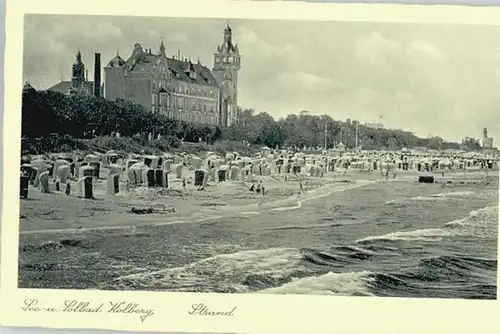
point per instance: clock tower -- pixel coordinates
(226, 66)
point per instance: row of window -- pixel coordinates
(203, 118)
(180, 102)
(226, 59)
(186, 90)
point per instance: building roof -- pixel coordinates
(64, 86)
(27, 87)
(144, 61)
(116, 62)
(228, 46)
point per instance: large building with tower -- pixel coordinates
(173, 86)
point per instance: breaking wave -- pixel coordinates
(452, 195)
(480, 223)
(250, 268)
(349, 284)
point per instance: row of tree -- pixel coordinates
(312, 130)
(45, 113)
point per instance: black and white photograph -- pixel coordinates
(259, 156)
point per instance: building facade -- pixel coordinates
(178, 88)
(375, 125)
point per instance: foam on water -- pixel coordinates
(80, 230)
(480, 223)
(304, 227)
(222, 271)
(439, 197)
(459, 194)
(315, 194)
(286, 208)
(432, 234)
(415, 199)
(349, 284)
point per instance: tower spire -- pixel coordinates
(78, 71)
(228, 35)
(162, 48)
(78, 57)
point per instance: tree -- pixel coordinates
(49, 112)
(471, 144)
(435, 143)
(392, 144)
(45, 113)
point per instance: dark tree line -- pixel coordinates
(309, 130)
(46, 112)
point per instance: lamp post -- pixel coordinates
(326, 132)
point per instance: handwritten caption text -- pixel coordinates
(76, 306)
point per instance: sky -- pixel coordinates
(429, 79)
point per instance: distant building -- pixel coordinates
(176, 87)
(487, 141)
(375, 125)
(79, 84)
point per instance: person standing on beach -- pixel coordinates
(259, 187)
(184, 183)
(301, 188)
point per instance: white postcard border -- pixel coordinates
(254, 313)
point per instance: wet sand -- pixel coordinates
(59, 212)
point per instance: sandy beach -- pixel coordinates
(57, 211)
